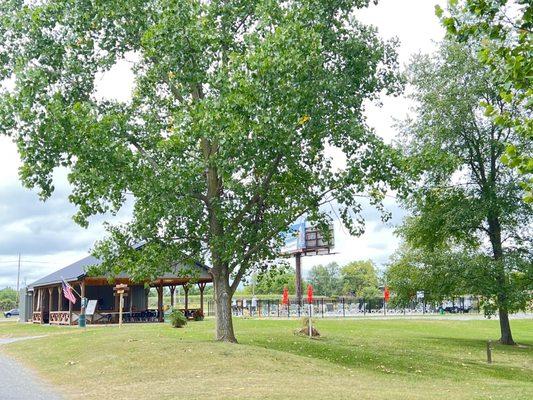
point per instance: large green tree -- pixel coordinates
(463, 198)
(225, 139)
(274, 279)
(503, 30)
(360, 279)
(325, 279)
(8, 299)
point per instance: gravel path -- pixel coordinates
(19, 383)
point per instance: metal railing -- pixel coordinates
(336, 307)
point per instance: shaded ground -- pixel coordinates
(354, 359)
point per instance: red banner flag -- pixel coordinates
(309, 294)
(386, 294)
(285, 298)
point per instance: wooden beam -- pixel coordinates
(49, 302)
(160, 303)
(172, 289)
(186, 290)
(59, 299)
(201, 286)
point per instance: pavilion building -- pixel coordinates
(48, 304)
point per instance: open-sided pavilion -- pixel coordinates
(49, 305)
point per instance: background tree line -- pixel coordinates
(357, 278)
(8, 298)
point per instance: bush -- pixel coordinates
(198, 315)
(177, 319)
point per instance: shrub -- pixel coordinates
(198, 315)
(177, 319)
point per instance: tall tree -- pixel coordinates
(224, 141)
(360, 279)
(325, 279)
(463, 197)
(272, 280)
(504, 30)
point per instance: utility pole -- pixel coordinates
(18, 281)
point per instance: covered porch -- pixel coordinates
(49, 305)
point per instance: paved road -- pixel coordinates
(19, 383)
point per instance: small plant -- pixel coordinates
(304, 330)
(198, 315)
(177, 319)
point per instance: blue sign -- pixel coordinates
(294, 238)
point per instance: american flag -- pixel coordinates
(67, 292)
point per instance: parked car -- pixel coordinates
(14, 311)
(457, 309)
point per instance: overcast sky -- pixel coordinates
(47, 238)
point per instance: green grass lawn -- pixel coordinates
(354, 359)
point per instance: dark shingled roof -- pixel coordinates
(77, 270)
(71, 272)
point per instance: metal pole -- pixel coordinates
(489, 351)
(298, 258)
(310, 323)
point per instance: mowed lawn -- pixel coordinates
(354, 359)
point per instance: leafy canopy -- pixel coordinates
(326, 279)
(504, 29)
(470, 229)
(225, 139)
(359, 278)
(273, 280)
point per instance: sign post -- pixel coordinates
(386, 298)
(120, 289)
(310, 302)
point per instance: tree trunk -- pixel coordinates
(497, 249)
(223, 317)
(505, 328)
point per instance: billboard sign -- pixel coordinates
(294, 238)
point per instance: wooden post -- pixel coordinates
(201, 286)
(172, 289)
(120, 304)
(489, 352)
(160, 303)
(186, 290)
(59, 299)
(49, 302)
